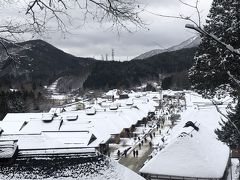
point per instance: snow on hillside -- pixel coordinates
(192, 42)
(150, 53)
(189, 43)
(53, 91)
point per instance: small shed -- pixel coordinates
(123, 96)
(57, 110)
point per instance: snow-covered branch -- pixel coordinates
(233, 78)
(216, 39)
(225, 116)
(44, 15)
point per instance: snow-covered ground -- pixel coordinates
(52, 89)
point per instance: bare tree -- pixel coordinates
(39, 13)
(194, 6)
(43, 15)
(119, 12)
(197, 26)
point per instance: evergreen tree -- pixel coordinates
(150, 87)
(228, 132)
(215, 66)
(212, 62)
(3, 105)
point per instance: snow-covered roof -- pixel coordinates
(15, 122)
(7, 149)
(90, 111)
(69, 168)
(52, 140)
(29, 127)
(19, 125)
(113, 92)
(92, 120)
(36, 126)
(195, 154)
(56, 110)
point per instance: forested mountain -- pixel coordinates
(38, 63)
(126, 74)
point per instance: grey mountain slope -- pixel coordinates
(189, 43)
(40, 62)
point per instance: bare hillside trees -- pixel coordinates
(39, 16)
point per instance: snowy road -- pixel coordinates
(135, 163)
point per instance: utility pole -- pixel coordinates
(106, 57)
(113, 53)
(160, 91)
(102, 57)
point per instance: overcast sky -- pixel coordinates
(94, 40)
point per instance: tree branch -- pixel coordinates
(117, 11)
(183, 17)
(219, 111)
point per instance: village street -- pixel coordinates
(150, 143)
(135, 163)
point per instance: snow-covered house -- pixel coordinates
(57, 110)
(66, 130)
(123, 96)
(112, 94)
(59, 135)
(193, 154)
(98, 125)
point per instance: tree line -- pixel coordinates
(114, 74)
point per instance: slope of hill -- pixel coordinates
(189, 43)
(127, 74)
(39, 62)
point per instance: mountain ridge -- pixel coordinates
(37, 61)
(40, 63)
(189, 43)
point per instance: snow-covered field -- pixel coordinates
(52, 89)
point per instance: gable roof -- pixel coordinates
(196, 154)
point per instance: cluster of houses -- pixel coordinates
(193, 151)
(68, 131)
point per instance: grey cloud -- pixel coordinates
(94, 40)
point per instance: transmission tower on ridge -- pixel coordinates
(113, 53)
